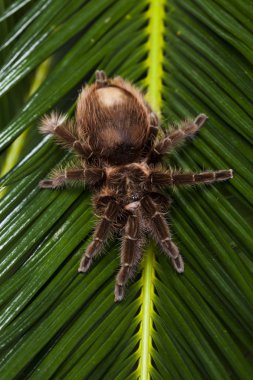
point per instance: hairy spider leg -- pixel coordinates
(160, 231)
(62, 129)
(204, 177)
(169, 178)
(188, 129)
(61, 177)
(178, 264)
(130, 254)
(153, 130)
(102, 232)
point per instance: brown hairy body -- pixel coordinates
(115, 137)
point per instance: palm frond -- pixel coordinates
(190, 57)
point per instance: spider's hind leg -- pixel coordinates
(161, 233)
(63, 130)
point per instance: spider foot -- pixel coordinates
(85, 264)
(200, 120)
(178, 264)
(50, 124)
(119, 293)
(51, 183)
(170, 248)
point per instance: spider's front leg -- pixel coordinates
(169, 142)
(130, 254)
(102, 232)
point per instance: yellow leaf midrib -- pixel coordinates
(155, 44)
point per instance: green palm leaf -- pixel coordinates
(189, 56)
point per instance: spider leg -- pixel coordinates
(160, 231)
(101, 78)
(159, 178)
(170, 141)
(102, 231)
(63, 176)
(178, 264)
(63, 130)
(130, 255)
(154, 124)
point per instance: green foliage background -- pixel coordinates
(189, 56)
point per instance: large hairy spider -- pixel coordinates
(120, 159)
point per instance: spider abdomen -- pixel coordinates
(115, 122)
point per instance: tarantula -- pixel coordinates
(114, 135)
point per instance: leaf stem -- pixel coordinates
(146, 315)
(155, 44)
(156, 14)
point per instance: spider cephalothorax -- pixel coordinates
(120, 159)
